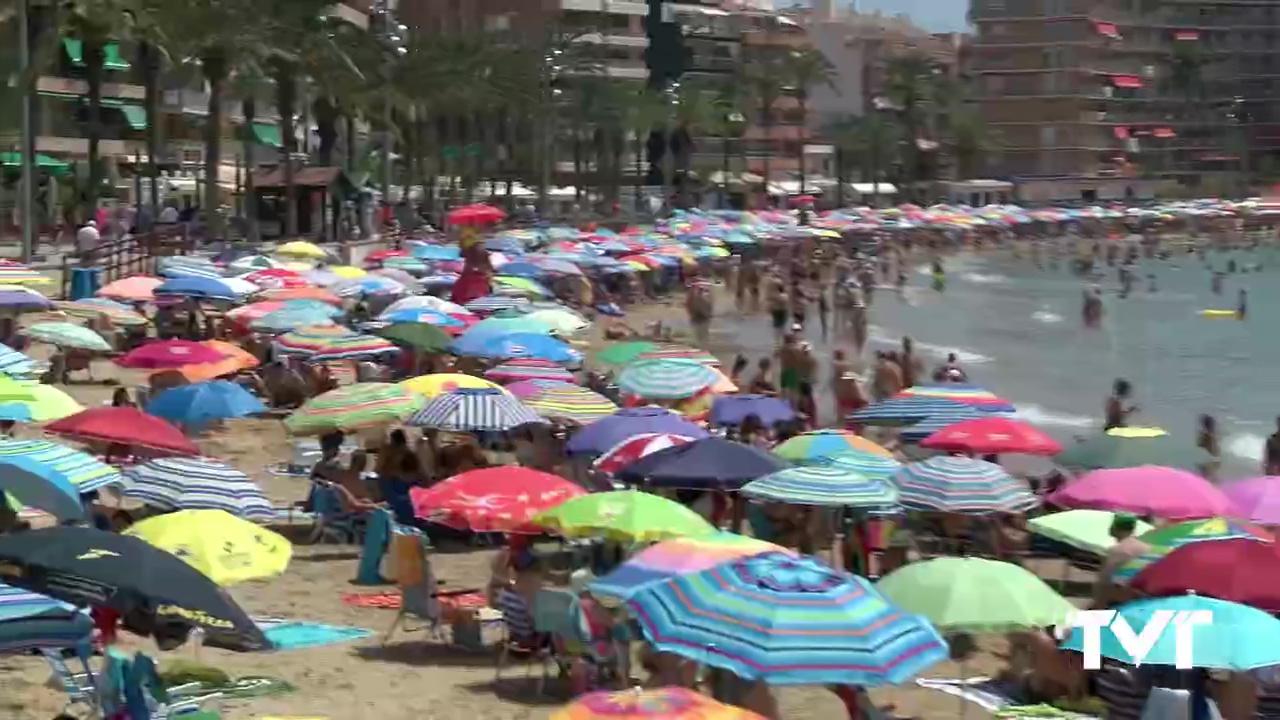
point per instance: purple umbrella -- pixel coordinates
(733, 409)
(16, 297)
(607, 432)
(710, 463)
(1256, 499)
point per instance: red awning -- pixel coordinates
(1122, 133)
(1126, 81)
(1164, 132)
(1108, 29)
(1189, 35)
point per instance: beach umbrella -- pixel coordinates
(1162, 492)
(162, 354)
(432, 385)
(1088, 530)
(419, 336)
(17, 604)
(1131, 447)
(519, 286)
(823, 485)
(290, 319)
(103, 309)
(499, 499)
(678, 352)
(306, 341)
(421, 315)
(677, 556)
(16, 298)
(961, 485)
(302, 249)
(68, 335)
(634, 448)
(625, 516)
(819, 445)
(908, 411)
(369, 285)
(354, 407)
(665, 703)
(992, 436)
(864, 463)
(223, 547)
(1164, 540)
(970, 395)
(567, 403)
(624, 353)
(502, 326)
(13, 273)
(276, 278)
(605, 433)
(197, 483)
(561, 320)
(250, 263)
(13, 393)
(200, 288)
(786, 621)
(975, 595)
(518, 369)
(1239, 570)
(1257, 499)
(235, 360)
(475, 214)
(515, 345)
(198, 404)
(665, 379)
(88, 567)
(56, 631)
(47, 403)
(706, 464)
(425, 251)
(14, 363)
(1240, 638)
(425, 302)
(301, 293)
(353, 347)
(124, 426)
(83, 472)
(474, 410)
(495, 303)
(733, 409)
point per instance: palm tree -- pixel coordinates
(803, 70)
(728, 123)
(966, 141)
(763, 82)
(644, 111)
(909, 86)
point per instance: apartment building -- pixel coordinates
(1099, 95)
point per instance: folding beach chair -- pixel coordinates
(420, 593)
(79, 686)
(333, 522)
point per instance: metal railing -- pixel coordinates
(132, 255)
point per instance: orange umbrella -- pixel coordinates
(236, 360)
(668, 703)
(300, 293)
(138, 288)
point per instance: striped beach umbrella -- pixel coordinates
(517, 370)
(678, 556)
(865, 463)
(17, 603)
(787, 621)
(368, 285)
(353, 407)
(101, 308)
(666, 379)
(569, 403)
(679, 352)
(970, 395)
(82, 470)
(905, 411)
(65, 334)
(14, 363)
(819, 445)
(474, 410)
(829, 485)
(306, 341)
(183, 266)
(936, 423)
(197, 483)
(16, 298)
(961, 485)
(13, 273)
(354, 347)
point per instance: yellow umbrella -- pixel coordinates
(303, 249)
(223, 547)
(433, 385)
(299, 266)
(48, 403)
(347, 272)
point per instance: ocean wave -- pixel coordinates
(1248, 446)
(984, 278)
(878, 336)
(1039, 415)
(1046, 317)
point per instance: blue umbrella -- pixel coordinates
(49, 477)
(605, 433)
(517, 345)
(13, 362)
(193, 270)
(934, 423)
(525, 270)
(962, 485)
(863, 463)
(439, 280)
(437, 252)
(201, 403)
(474, 410)
(830, 485)
(421, 315)
(710, 463)
(198, 484)
(54, 631)
(906, 411)
(733, 409)
(368, 285)
(196, 287)
(290, 319)
(16, 603)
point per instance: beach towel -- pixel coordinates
(389, 600)
(996, 697)
(298, 635)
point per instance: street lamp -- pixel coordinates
(392, 34)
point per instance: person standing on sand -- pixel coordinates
(845, 387)
(1116, 412)
(887, 377)
(777, 302)
(762, 383)
(698, 305)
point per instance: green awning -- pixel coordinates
(268, 134)
(135, 115)
(110, 54)
(58, 95)
(43, 162)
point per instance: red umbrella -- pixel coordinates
(634, 448)
(477, 214)
(498, 499)
(125, 426)
(1240, 570)
(276, 279)
(379, 255)
(992, 436)
(803, 200)
(165, 354)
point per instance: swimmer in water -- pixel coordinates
(939, 275)
(1151, 283)
(1216, 284)
(1242, 304)
(1092, 307)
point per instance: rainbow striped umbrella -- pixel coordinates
(12, 273)
(95, 308)
(970, 395)
(787, 621)
(312, 339)
(353, 407)
(354, 347)
(831, 485)
(865, 463)
(518, 370)
(961, 485)
(666, 379)
(474, 410)
(50, 476)
(1165, 540)
(569, 403)
(665, 703)
(819, 445)
(675, 557)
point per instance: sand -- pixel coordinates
(414, 677)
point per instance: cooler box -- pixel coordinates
(85, 282)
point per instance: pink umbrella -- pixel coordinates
(1256, 499)
(634, 448)
(1148, 490)
(528, 369)
(165, 354)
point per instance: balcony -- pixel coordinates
(767, 38)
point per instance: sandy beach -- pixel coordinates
(415, 676)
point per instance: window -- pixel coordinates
(1048, 136)
(995, 6)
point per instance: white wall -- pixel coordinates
(845, 98)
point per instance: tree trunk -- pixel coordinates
(214, 67)
(286, 105)
(326, 113)
(249, 106)
(349, 131)
(94, 56)
(149, 58)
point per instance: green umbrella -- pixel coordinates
(43, 162)
(624, 515)
(1088, 530)
(354, 407)
(975, 595)
(1131, 447)
(624, 353)
(67, 334)
(419, 336)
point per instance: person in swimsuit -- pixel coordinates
(1117, 412)
(1271, 454)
